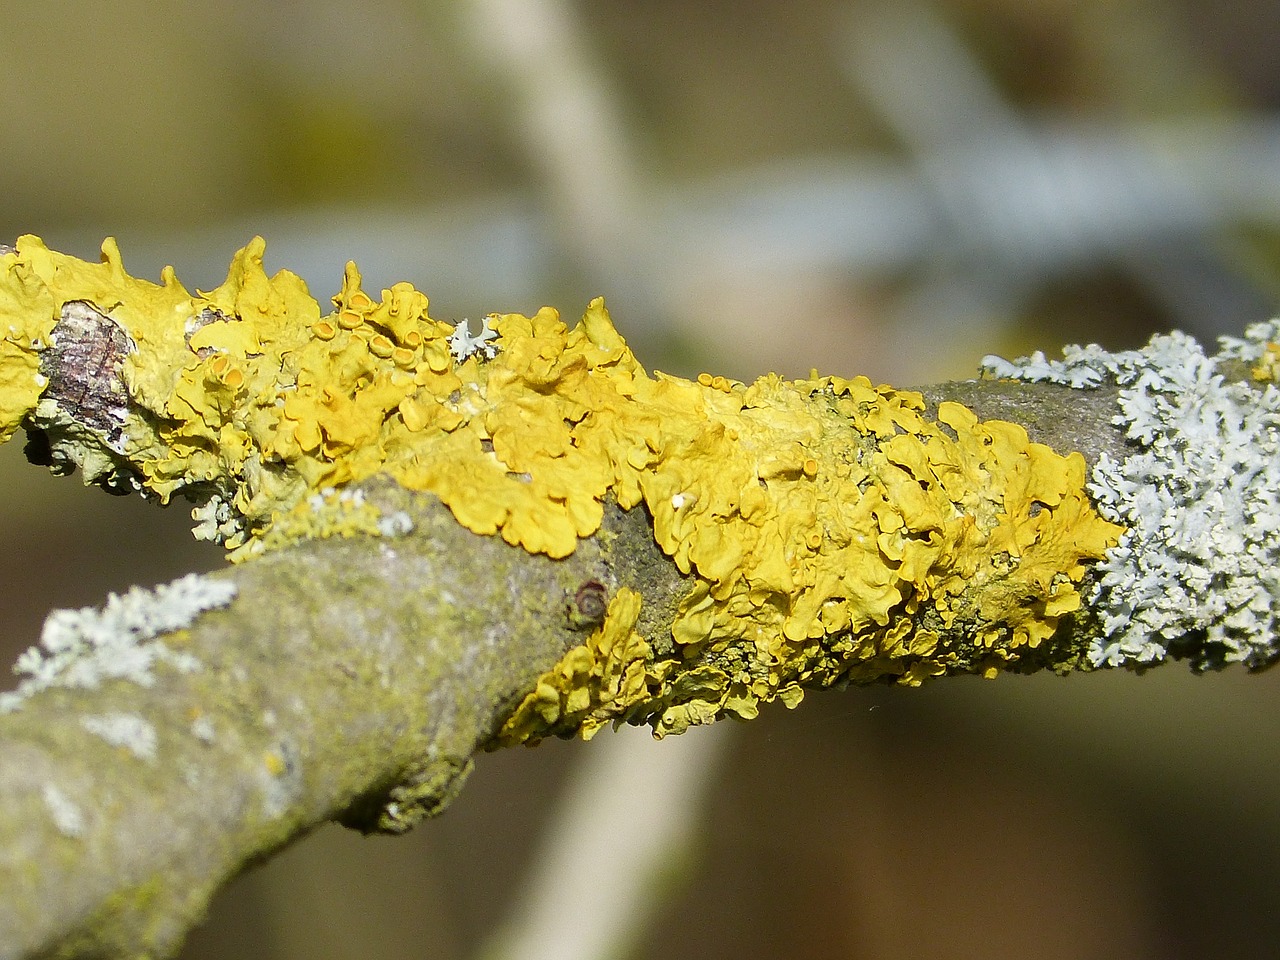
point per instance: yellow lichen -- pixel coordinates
(1267, 368)
(832, 529)
(328, 513)
(597, 682)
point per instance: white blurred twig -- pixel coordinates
(1022, 202)
(566, 120)
(629, 814)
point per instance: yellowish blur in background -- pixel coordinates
(889, 189)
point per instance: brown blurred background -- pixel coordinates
(892, 189)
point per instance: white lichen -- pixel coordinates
(462, 344)
(217, 521)
(84, 648)
(1253, 346)
(397, 524)
(67, 816)
(1197, 572)
(127, 730)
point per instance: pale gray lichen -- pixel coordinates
(397, 524)
(216, 521)
(462, 344)
(83, 648)
(1198, 571)
(1258, 341)
(67, 816)
(127, 730)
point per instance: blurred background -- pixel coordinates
(892, 189)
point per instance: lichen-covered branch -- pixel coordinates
(451, 540)
(336, 679)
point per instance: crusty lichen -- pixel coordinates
(135, 632)
(1198, 490)
(831, 529)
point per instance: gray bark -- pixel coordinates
(350, 680)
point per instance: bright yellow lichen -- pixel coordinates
(831, 529)
(597, 682)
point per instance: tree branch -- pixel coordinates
(674, 552)
(349, 680)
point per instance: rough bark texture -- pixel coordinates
(830, 530)
(351, 680)
(1054, 415)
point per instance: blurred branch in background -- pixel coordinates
(568, 122)
(630, 801)
(1022, 204)
(988, 206)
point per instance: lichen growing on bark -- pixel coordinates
(830, 529)
(1198, 490)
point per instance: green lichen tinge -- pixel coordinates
(830, 528)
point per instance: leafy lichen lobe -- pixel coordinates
(830, 529)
